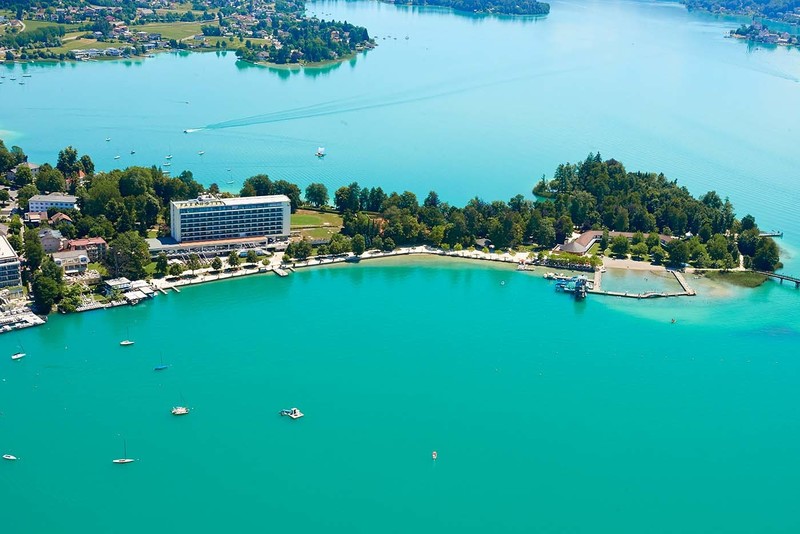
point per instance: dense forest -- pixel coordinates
(123, 205)
(774, 9)
(506, 7)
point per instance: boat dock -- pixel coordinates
(280, 272)
(774, 233)
(176, 289)
(781, 277)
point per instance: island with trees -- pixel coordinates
(124, 206)
(497, 7)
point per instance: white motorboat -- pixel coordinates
(9, 457)
(18, 356)
(180, 410)
(320, 152)
(126, 343)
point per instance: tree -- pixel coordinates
(252, 256)
(194, 263)
(302, 249)
(604, 241)
(34, 253)
(678, 253)
(162, 264)
(359, 244)
(49, 179)
(767, 257)
(639, 250)
(45, 292)
(68, 163)
(87, 164)
(652, 240)
(388, 244)
(127, 256)
(23, 176)
(658, 254)
(175, 269)
(4, 196)
(620, 245)
(52, 271)
(216, 264)
(233, 259)
(317, 194)
(748, 222)
(25, 194)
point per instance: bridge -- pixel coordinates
(781, 277)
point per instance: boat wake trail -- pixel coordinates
(351, 104)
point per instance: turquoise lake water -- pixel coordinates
(548, 415)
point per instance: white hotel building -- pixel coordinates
(9, 264)
(208, 218)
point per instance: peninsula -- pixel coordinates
(259, 31)
(73, 227)
(496, 7)
(781, 10)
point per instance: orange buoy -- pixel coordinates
(434, 455)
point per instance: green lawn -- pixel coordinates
(315, 218)
(36, 24)
(83, 44)
(100, 268)
(319, 233)
(171, 30)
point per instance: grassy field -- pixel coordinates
(315, 218)
(170, 30)
(82, 44)
(737, 278)
(36, 24)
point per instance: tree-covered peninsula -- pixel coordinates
(259, 30)
(787, 10)
(503, 7)
(123, 206)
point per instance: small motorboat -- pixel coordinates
(126, 343)
(108, 139)
(320, 152)
(294, 413)
(133, 152)
(17, 355)
(116, 157)
(9, 457)
(201, 152)
(169, 156)
(434, 455)
(180, 410)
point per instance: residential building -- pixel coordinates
(208, 218)
(117, 284)
(12, 174)
(72, 261)
(60, 217)
(35, 218)
(584, 242)
(53, 200)
(52, 240)
(95, 247)
(9, 265)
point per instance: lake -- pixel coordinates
(547, 415)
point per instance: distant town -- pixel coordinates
(757, 32)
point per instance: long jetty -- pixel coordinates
(781, 277)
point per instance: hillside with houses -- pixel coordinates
(272, 32)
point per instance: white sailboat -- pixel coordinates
(126, 342)
(124, 459)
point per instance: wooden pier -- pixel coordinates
(781, 277)
(280, 272)
(687, 290)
